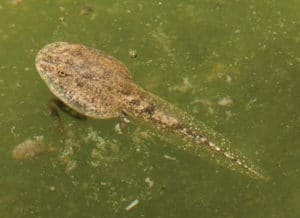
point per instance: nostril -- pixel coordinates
(61, 73)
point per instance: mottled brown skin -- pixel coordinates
(99, 86)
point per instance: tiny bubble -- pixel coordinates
(52, 188)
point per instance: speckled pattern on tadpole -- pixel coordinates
(99, 86)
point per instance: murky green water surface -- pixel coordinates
(232, 64)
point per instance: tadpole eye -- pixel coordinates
(61, 73)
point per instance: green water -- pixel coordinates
(232, 64)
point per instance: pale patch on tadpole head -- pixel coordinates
(51, 63)
(49, 59)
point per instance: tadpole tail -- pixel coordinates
(198, 137)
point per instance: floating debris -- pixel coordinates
(223, 72)
(225, 102)
(93, 136)
(251, 103)
(169, 157)
(132, 53)
(210, 110)
(66, 155)
(132, 205)
(184, 87)
(228, 115)
(149, 182)
(228, 79)
(52, 189)
(29, 149)
(61, 8)
(204, 102)
(62, 21)
(118, 129)
(86, 10)
(104, 152)
(13, 130)
(70, 165)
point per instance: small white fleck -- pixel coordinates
(132, 205)
(118, 129)
(214, 146)
(12, 130)
(169, 157)
(61, 8)
(227, 154)
(149, 182)
(225, 102)
(228, 79)
(103, 183)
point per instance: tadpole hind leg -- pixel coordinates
(123, 122)
(55, 105)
